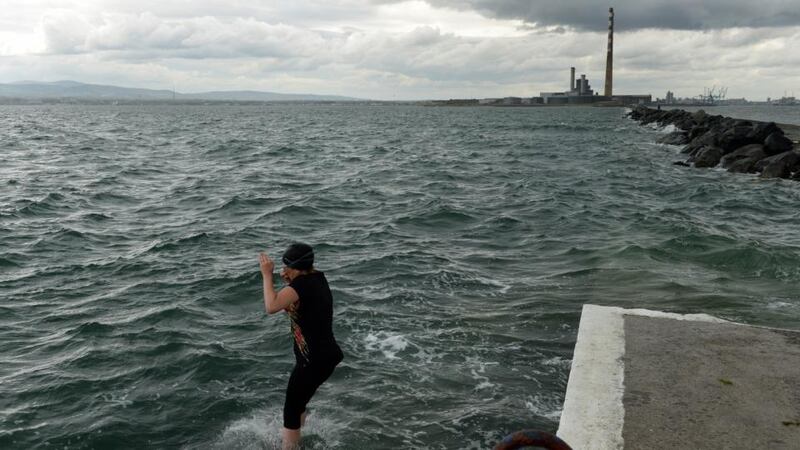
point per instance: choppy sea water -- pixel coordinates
(460, 244)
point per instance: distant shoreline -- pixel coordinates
(199, 102)
(112, 101)
(182, 102)
(70, 90)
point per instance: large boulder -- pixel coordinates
(674, 138)
(707, 157)
(639, 112)
(777, 143)
(744, 159)
(779, 166)
(746, 151)
(694, 147)
(746, 165)
(670, 116)
(685, 123)
(653, 116)
(709, 138)
(697, 131)
(736, 137)
(763, 129)
(699, 116)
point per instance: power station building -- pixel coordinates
(580, 91)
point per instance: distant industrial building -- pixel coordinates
(580, 91)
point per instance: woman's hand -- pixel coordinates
(267, 265)
(275, 301)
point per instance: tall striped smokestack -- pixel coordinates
(610, 54)
(571, 79)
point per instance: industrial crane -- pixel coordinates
(712, 96)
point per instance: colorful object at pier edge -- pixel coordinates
(531, 438)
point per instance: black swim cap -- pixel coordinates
(299, 256)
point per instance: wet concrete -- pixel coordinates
(651, 380)
(710, 385)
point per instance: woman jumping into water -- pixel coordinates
(308, 301)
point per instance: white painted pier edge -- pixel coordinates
(593, 413)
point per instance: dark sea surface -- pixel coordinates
(460, 244)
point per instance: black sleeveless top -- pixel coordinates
(312, 319)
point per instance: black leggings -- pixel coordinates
(303, 383)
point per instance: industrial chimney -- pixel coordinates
(571, 79)
(610, 54)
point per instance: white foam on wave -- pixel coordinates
(503, 288)
(669, 128)
(390, 344)
(483, 380)
(117, 399)
(557, 361)
(262, 431)
(542, 406)
(780, 304)
(478, 372)
(485, 384)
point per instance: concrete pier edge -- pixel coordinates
(593, 414)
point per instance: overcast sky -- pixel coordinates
(393, 49)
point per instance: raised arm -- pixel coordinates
(274, 301)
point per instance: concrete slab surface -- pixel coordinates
(710, 385)
(651, 380)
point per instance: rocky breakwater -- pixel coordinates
(737, 145)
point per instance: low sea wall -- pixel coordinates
(653, 380)
(738, 145)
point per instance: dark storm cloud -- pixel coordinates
(638, 14)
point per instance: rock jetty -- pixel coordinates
(737, 145)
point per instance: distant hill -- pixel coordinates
(76, 90)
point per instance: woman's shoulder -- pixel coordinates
(317, 277)
(313, 274)
(311, 277)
